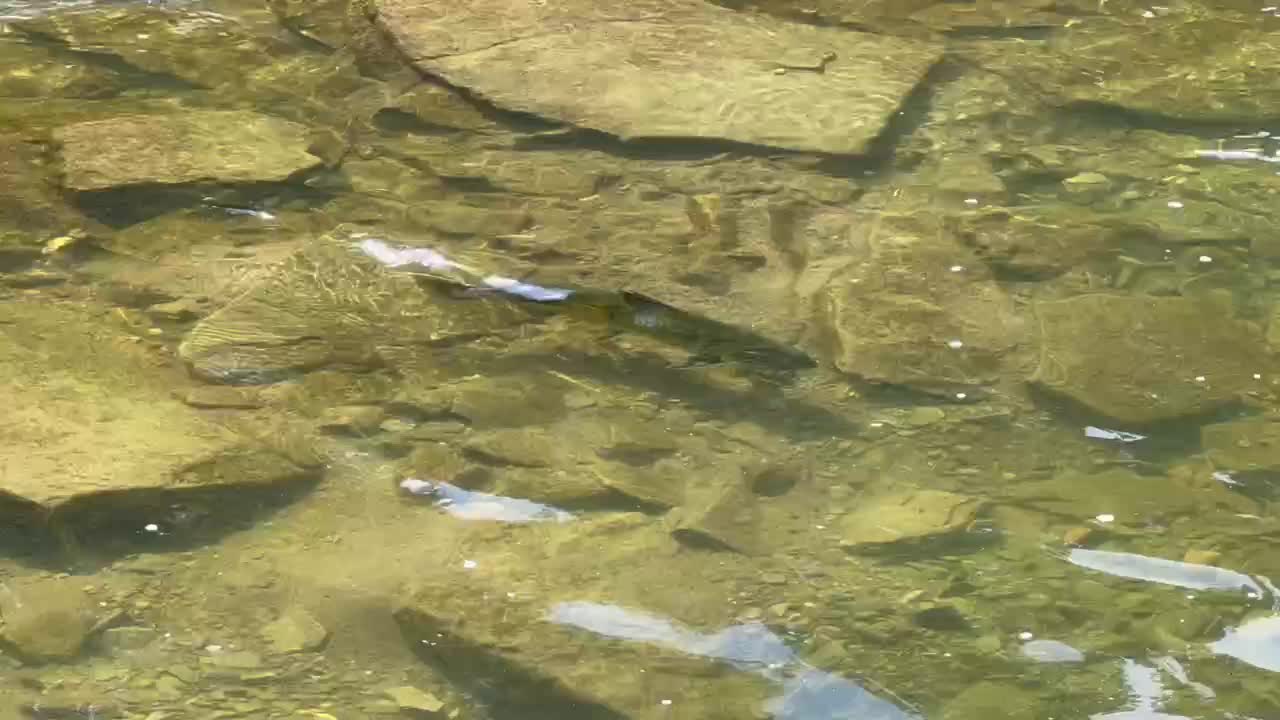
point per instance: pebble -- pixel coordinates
(411, 698)
(922, 416)
(1199, 556)
(1078, 536)
(295, 631)
(127, 638)
(238, 660)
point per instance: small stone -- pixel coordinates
(725, 517)
(179, 148)
(437, 461)
(46, 620)
(1051, 651)
(987, 644)
(906, 517)
(121, 639)
(830, 655)
(1078, 536)
(296, 631)
(518, 448)
(237, 660)
(1199, 556)
(1091, 179)
(922, 416)
(169, 687)
(772, 578)
(942, 618)
(779, 610)
(183, 673)
(178, 310)
(221, 396)
(775, 478)
(658, 485)
(413, 699)
(352, 419)
(911, 596)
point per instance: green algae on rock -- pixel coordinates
(188, 147)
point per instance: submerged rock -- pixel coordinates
(917, 312)
(690, 69)
(295, 631)
(46, 621)
(721, 516)
(325, 306)
(1143, 359)
(1050, 651)
(1243, 445)
(1211, 68)
(419, 702)
(189, 147)
(1022, 247)
(31, 210)
(1131, 499)
(94, 442)
(907, 517)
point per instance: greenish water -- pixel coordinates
(873, 360)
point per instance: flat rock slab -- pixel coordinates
(907, 517)
(918, 310)
(89, 421)
(1210, 69)
(46, 620)
(190, 147)
(327, 305)
(666, 68)
(1142, 359)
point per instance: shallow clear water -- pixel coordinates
(804, 361)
